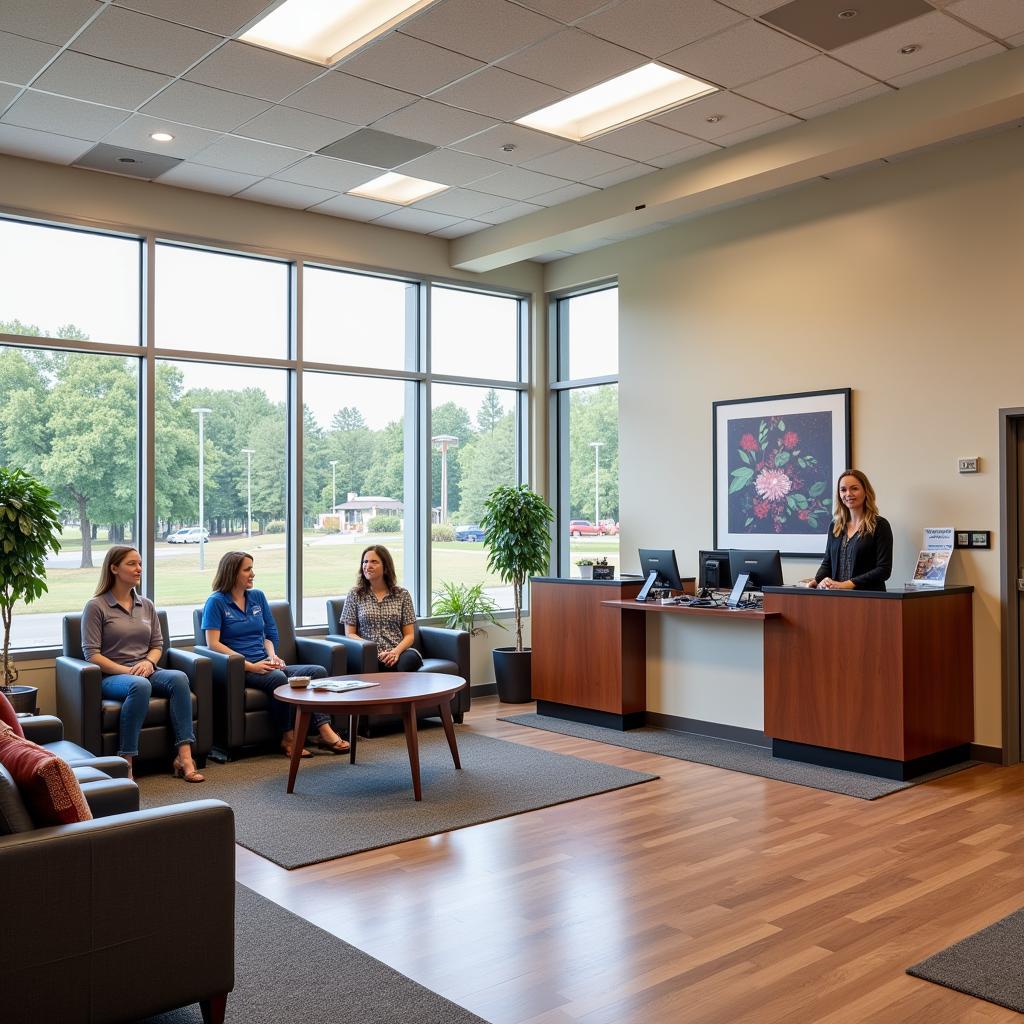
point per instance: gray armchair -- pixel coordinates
(94, 723)
(241, 714)
(443, 650)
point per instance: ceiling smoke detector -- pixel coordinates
(509, 147)
(713, 118)
(847, 14)
(910, 48)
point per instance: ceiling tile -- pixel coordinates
(246, 156)
(225, 17)
(577, 163)
(422, 221)
(128, 162)
(734, 112)
(757, 130)
(73, 118)
(254, 72)
(564, 10)
(754, 8)
(144, 42)
(814, 81)
(35, 145)
(938, 36)
(528, 144)
(101, 81)
(817, 109)
(207, 179)
(434, 122)
(349, 99)
(627, 173)
(413, 65)
(54, 21)
(1003, 18)
(463, 227)
(379, 149)
(640, 141)
(682, 156)
(564, 194)
(21, 59)
(518, 183)
(512, 211)
(450, 167)
(655, 27)
(461, 202)
(7, 93)
(135, 134)
(740, 54)
(499, 93)
(942, 66)
(572, 60)
(355, 208)
(285, 193)
(1016, 40)
(485, 29)
(297, 128)
(326, 172)
(822, 24)
(189, 103)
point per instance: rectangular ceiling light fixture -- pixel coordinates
(324, 31)
(637, 94)
(397, 188)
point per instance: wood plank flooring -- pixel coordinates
(706, 896)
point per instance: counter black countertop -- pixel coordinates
(617, 582)
(896, 594)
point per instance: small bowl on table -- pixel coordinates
(299, 682)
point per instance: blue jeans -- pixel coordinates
(134, 692)
(284, 714)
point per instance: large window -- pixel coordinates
(474, 335)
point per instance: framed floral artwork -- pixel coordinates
(775, 466)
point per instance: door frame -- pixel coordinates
(1011, 429)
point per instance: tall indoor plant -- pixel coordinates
(29, 528)
(517, 538)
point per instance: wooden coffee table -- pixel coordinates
(396, 693)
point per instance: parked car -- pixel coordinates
(188, 535)
(471, 532)
(583, 528)
(609, 527)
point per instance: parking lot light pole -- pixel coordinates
(597, 445)
(202, 539)
(334, 489)
(250, 452)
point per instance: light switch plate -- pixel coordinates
(968, 465)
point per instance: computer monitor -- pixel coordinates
(764, 567)
(713, 570)
(660, 568)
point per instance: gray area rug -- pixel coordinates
(338, 808)
(314, 977)
(736, 757)
(988, 964)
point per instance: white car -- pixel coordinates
(189, 535)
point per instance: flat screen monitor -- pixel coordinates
(763, 567)
(663, 562)
(713, 570)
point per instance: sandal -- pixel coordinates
(189, 776)
(340, 746)
(286, 749)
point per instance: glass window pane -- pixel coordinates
(592, 339)
(356, 320)
(357, 439)
(244, 459)
(593, 524)
(474, 450)
(215, 302)
(474, 335)
(60, 283)
(70, 420)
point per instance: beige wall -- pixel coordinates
(901, 282)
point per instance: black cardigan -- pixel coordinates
(872, 561)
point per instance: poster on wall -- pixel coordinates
(775, 465)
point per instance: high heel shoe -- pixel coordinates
(189, 776)
(286, 749)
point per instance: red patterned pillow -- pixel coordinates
(9, 716)
(46, 783)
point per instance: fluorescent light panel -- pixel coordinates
(327, 30)
(637, 94)
(397, 188)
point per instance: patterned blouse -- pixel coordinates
(379, 621)
(847, 555)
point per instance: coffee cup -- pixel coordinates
(298, 682)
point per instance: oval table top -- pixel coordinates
(393, 687)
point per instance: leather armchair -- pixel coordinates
(94, 723)
(48, 732)
(241, 714)
(94, 908)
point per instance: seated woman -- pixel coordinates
(237, 620)
(858, 555)
(379, 610)
(121, 633)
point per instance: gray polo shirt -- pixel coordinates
(122, 636)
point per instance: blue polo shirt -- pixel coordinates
(244, 632)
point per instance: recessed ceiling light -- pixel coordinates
(910, 48)
(397, 188)
(637, 94)
(327, 30)
(847, 14)
(713, 118)
(162, 137)
(509, 147)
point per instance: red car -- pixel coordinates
(583, 528)
(609, 527)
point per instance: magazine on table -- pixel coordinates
(341, 685)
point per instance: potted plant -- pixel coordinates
(29, 528)
(460, 605)
(586, 568)
(517, 539)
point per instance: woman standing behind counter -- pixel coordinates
(858, 555)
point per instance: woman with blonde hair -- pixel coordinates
(858, 555)
(121, 633)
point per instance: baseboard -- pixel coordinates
(989, 755)
(715, 729)
(482, 689)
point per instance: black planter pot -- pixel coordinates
(512, 674)
(23, 698)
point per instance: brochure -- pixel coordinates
(341, 685)
(931, 569)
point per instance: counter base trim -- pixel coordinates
(865, 764)
(590, 716)
(717, 730)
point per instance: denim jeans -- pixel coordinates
(284, 714)
(134, 692)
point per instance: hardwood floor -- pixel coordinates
(706, 896)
